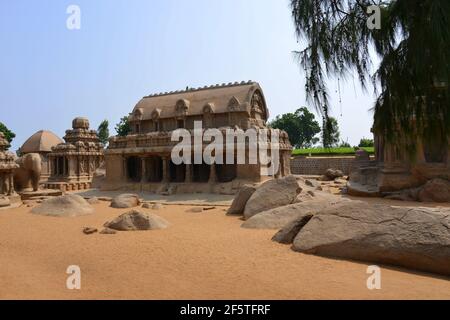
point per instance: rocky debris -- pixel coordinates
(126, 200)
(147, 205)
(416, 238)
(290, 231)
(240, 200)
(93, 200)
(332, 174)
(89, 230)
(436, 190)
(272, 194)
(4, 202)
(279, 217)
(137, 221)
(312, 183)
(302, 197)
(70, 205)
(108, 231)
(311, 193)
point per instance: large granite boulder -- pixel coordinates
(240, 200)
(126, 200)
(70, 205)
(137, 221)
(271, 194)
(279, 217)
(416, 238)
(436, 190)
(290, 231)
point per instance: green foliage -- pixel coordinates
(366, 143)
(344, 144)
(328, 151)
(9, 135)
(330, 132)
(301, 127)
(413, 45)
(103, 132)
(123, 127)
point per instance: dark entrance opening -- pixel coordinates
(201, 172)
(226, 172)
(177, 172)
(154, 169)
(134, 169)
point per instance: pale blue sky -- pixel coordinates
(130, 48)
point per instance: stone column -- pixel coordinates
(143, 170)
(165, 169)
(11, 184)
(212, 174)
(188, 177)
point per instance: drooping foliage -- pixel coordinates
(413, 49)
(103, 132)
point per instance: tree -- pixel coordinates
(344, 144)
(330, 132)
(365, 143)
(123, 127)
(103, 132)
(301, 127)
(9, 135)
(412, 44)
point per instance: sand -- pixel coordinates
(200, 256)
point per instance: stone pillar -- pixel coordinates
(11, 184)
(188, 177)
(212, 174)
(143, 170)
(165, 169)
(57, 166)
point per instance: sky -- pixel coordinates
(126, 49)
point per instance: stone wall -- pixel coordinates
(318, 165)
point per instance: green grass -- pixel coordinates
(329, 152)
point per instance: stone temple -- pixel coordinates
(74, 162)
(8, 195)
(141, 161)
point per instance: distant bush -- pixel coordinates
(329, 151)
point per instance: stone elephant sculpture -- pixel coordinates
(29, 172)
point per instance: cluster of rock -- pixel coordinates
(436, 190)
(332, 226)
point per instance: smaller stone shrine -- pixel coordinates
(73, 163)
(8, 195)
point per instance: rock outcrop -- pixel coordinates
(70, 205)
(240, 200)
(125, 201)
(290, 231)
(416, 238)
(137, 221)
(272, 194)
(436, 190)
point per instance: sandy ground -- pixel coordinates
(200, 256)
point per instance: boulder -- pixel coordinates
(436, 190)
(93, 200)
(147, 205)
(4, 202)
(137, 221)
(89, 230)
(312, 183)
(272, 194)
(279, 217)
(290, 231)
(332, 174)
(70, 205)
(240, 200)
(108, 231)
(416, 238)
(125, 201)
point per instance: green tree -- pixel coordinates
(330, 132)
(123, 127)
(344, 144)
(412, 45)
(103, 132)
(363, 143)
(301, 127)
(9, 135)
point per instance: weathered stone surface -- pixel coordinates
(436, 190)
(93, 200)
(89, 230)
(332, 174)
(416, 238)
(271, 194)
(136, 221)
(4, 202)
(125, 201)
(147, 205)
(108, 231)
(290, 231)
(70, 205)
(240, 200)
(312, 183)
(157, 206)
(277, 218)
